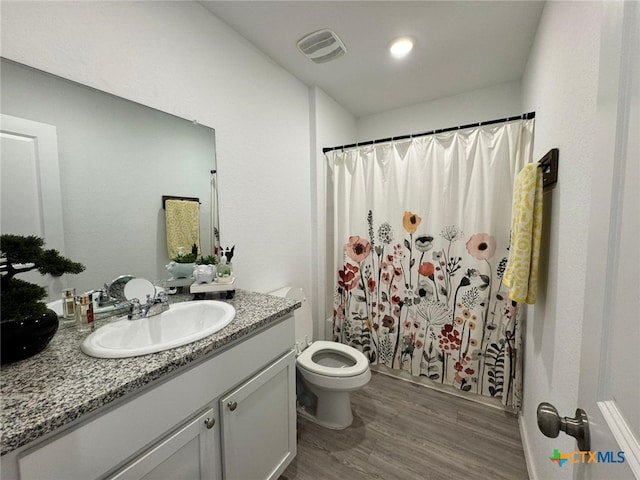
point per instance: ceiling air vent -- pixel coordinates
(322, 46)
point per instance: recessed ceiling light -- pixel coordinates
(401, 47)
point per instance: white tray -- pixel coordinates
(213, 287)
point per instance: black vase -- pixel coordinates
(24, 338)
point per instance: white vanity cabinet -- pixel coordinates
(259, 424)
(184, 427)
(258, 438)
(183, 454)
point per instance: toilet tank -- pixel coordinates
(303, 320)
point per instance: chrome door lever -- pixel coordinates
(550, 424)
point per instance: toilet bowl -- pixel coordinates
(326, 371)
(331, 371)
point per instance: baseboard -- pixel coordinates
(427, 383)
(528, 455)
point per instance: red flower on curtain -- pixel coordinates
(426, 269)
(349, 276)
(388, 321)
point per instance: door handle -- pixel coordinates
(232, 405)
(550, 424)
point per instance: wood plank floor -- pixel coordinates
(407, 431)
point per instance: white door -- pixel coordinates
(31, 201)
(610, 362)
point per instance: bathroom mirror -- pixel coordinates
(117, 159)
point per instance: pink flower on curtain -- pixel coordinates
(397, 273)
(357, 249)
(481, 246)
(510, 310)
(349, 276)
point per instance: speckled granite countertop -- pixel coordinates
(61, 384)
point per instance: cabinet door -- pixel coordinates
(259, 424)
(187, 454)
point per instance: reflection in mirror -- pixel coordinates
(116, 160)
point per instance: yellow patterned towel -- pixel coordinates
(521, 275)
(183, 226)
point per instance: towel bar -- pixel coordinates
(169, 197)
(549, 165)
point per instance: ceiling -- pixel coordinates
(459, 45)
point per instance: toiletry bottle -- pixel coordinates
(84, 313)
(69, 304)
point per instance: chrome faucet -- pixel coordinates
(153, 306)
(105, 306)
(104, 299)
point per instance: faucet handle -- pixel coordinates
(135, 309)
(104, 295)
(164, 301)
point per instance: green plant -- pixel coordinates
(20, 254)
(208, 260)
(187, 257)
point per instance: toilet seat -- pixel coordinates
(305, 360)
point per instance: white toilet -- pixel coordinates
(327, 371)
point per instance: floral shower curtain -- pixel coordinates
(421, 232)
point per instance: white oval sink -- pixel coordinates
(183, 323)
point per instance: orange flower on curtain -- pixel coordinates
(410, 222)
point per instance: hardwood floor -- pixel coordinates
(407, 431)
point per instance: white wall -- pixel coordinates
(498, 101)
(179, 58)
(332, 125)
(560, 84)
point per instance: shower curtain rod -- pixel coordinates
(524, 116)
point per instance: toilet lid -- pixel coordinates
(305, 360)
